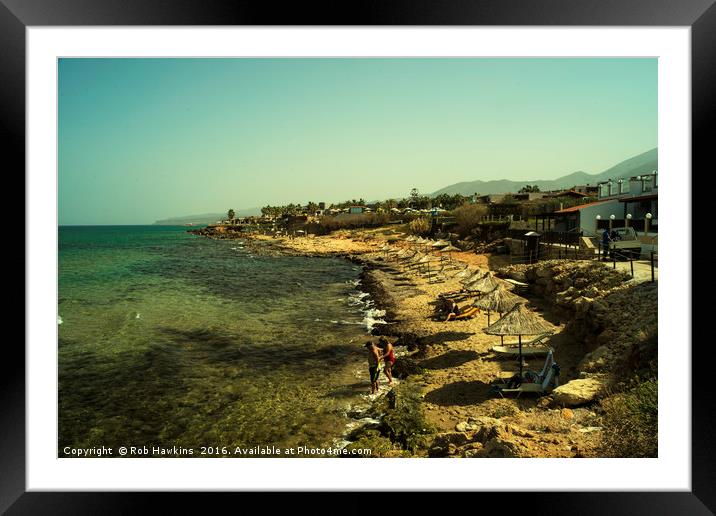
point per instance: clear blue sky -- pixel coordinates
(145, 139)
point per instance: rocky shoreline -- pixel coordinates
(443, 405)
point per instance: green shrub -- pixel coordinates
(419, 226)
(406, 423)
(630, 421)
(468, 216)
(353, 221)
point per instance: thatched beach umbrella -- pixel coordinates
(414, 259)
(519, 321)
(498, 300)
(386, 249)
(425, 260)
(449, 249)
(486, 284)
(474, 276)
(439, 243)
(465, 274)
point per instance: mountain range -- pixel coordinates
(641, 164)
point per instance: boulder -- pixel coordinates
(446, 443)
(597, 359)
(543, 272)
(578, 392)
(582, 306)
(498, 448)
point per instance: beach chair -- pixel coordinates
(468, 313)
(533, 376)
(533, 347)
(541, 382)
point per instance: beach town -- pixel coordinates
(515, 325)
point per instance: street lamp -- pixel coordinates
(646, 223)
(611, 222)
(626, 222)
(620, 185)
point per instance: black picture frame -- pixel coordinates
(16, 15)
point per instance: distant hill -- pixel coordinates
(641, 164)
(205, 218)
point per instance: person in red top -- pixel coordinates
(389, 357)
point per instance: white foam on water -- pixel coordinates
(340, 443)
(138, 316)
(59, 320)
(373, 316)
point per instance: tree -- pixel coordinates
(529, 189)
(231, 214)
(414, 196)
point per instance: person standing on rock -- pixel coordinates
(389, 358)
(374, 356)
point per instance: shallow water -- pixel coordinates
(169, 339)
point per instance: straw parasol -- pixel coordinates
(486, 284)
(414, 258)
(464, 274)
(519, 321)
(498, 300)
(440, 243)
(449, 249)
(474, 276)
(387, 249)
(423, 241)
(425, 260)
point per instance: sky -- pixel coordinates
(145, 139)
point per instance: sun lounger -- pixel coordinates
(533, 347)
(539, 388)
(541, 381)
(527, 351)
(517, 286)
(532, 376)
(453, 293)
(467, 314)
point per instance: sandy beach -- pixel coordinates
(446, 369)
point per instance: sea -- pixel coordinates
(169, 339)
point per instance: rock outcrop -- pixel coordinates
(578, 392)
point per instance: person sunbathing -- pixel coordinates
(456, 313)
(452, 310)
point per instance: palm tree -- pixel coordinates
(231, 215)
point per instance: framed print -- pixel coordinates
(415, 235)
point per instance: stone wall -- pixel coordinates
(617, 319)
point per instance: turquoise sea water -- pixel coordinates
(170, 339)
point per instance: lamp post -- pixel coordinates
(611, 222)
(620, 185)
(646, 223)
(626, 221)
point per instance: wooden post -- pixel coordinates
(631, 264)
(652, 266)
(614, 258)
